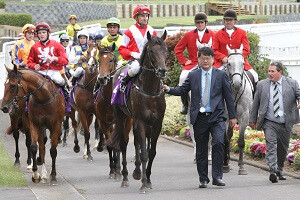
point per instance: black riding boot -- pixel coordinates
(185, 103)
(125, 80)
(74, 79)
(96, 87)
(66, 92)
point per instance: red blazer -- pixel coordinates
(189, 41)
(40, 51)
(221, 39)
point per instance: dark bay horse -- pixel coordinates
(104, 109)
(46, 111)
(14, 103)
(146, 106)
(84, 101)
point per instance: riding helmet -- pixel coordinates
(201, 16)
(230, 14)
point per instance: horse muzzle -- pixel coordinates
(104, 80)
(5, 109)
(162, 73)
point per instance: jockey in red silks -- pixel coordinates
(134, 40)
(48, 57)
(191, 41)
(233, 37)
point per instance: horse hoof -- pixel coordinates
(90, 158)
(118, 176)
(53, 182)
(243, 172)
(125, 184)
(226, 169)
(143, 190)
(29, 169)
(44, 180)
(111, 176)
(100, 148)
(149, 185)
(39, 161)
(137, 175)
(65, 144)
(17, 164)
(36, 180)
(76, 149)
(85, 156)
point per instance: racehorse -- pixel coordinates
(46, 111)
(84, 102)
(14, 103)
(242, 93)
(146, 106)
(104, 109)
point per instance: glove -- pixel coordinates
(136, 55)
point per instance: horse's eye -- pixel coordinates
(13, 87)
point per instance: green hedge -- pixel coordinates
(2, 4)
(15, 19)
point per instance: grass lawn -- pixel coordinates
(165, 21)
(9, 175)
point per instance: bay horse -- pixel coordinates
(243, 98)
(84, 101)
(104, 109)
(146, 106)
(46, 111)
(14, 103)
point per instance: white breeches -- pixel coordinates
(133, 68)
(77, 72)
(54, 75)
(184, 75)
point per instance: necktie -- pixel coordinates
(205, 94)
(276, 99)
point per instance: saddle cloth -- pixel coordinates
(117, 96)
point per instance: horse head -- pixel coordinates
(11, 90)
(108, 62)
(200, 45)
(92, 57)
(154, 56)
(235, 67)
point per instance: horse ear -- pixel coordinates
(228, 49)
(15, 69)
(198, 44)
(113, 46)
(7, 69)
(148, 35)
(210, 42)
(164, 36)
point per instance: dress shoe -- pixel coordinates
(184, 110)
(218, 182)
(280, 176)
(273, 178)
(203, 184)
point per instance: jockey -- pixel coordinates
(91, 39)
(21, 48)
(98, 36)
(78, 56)
(48, 57)
(72, 27)
(64, 41)
(233, 37)
(113, 28)
(134, 40)
(199, 35)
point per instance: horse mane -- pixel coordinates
(151, 43)
(27, 69)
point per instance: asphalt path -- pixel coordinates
(174, 176)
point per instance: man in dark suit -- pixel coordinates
(275, 111)
(209, 88)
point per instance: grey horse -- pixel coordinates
(242, 93)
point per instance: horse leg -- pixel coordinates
(45, 139)
(97, 134)
(29, 154)
(53, 153)
(241, 144)
(34, 136)
(76, 147)
(116, 159)
(86, 120)
(17, 153)
(42, 143)
(66, 129)
(227, 137)
(112, 172)
(137, 174)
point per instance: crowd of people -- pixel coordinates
(202, 73)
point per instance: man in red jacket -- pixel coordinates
(48, 57)
(191, 41)
(233, 37)
(134, 40)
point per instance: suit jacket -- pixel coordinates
(219, 91)
(189, 41)
(291, 93)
